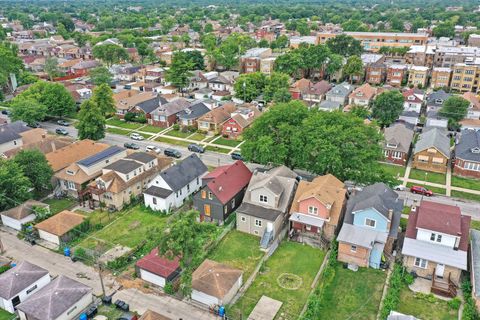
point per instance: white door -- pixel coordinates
(440, 270)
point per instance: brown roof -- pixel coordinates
(48, 144)
(215, 279)
(69, 63)
(326, 189)
(129, 102)
(152, 315)
(24, 210)
(124, 94)
(78, 150)
(218, 115)
(61, 223)
(79, 176)
(33, 135)
(301, 85)
(245, 122)
(473, 99)
(364, 91)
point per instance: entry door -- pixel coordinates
(440, 270)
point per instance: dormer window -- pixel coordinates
(475, 150)
(411, 98)
(312, 210)
(370, 222)
(70, 172)
(438, 101)
(392, 145)
(263, 199)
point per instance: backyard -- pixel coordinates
(425, 307)
(432, 177)
(353, 295)
(57, 205)
(239, 250)
(4, 315)
(286, 276)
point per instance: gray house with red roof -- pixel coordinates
(222, 192)
(436, 245)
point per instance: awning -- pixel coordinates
(307, 219)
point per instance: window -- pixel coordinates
(258, 223)
(31, 289)
(243, 219)
(204, 194)
(225, 209)
(188, 187)
(421, 263)
(432, 237)
(154, 200)
(198, 180)
(233, 203)
(128, 176)
(308, 228)
(210, 196)
(71, 185)
(263, 198)
(353, 248)
(312, 210)
(370, 222)
(439, 238)
(436, 237)
(206, 209)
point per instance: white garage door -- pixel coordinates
(204, 298)
(152, 278)
(49, 237)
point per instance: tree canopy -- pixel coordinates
(344, 45)
(387, 107)
(454, 109)
(100, 75)
(103, 98)
(250, 86)
(91, 121)
(179, 72)
(14, 185)
(28, 110)
(36, 168)
(110, 53)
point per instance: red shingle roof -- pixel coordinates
(158, 265)
(228, 180)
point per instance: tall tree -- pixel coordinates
(145, 52)
(230, 50)
(249, 86)
(179, 72)
(91, 121)
(353, 67)
(454, 109)
(387, 107)
(100, 75)
(334, 64)
(197, 59)
(51, 68)
(28, 110)
(110, 54)
(10, 63)
(103, 98)
(14, 186)
(36, 168)
(345, 45)
(276, 87)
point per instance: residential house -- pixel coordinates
(166, 115)
(197, 81)
(239, 119)
(169, 189)
(220, 83)
(398, 140)
(213, 120)
(157, 269)
(474, 264)
(188, 117)
(222, 192)
(432, 151)
(125, 102)
(152, 315)
(375, 73)
(418, 76)
(434, 103)
(20, 215)
(329, 106)
(10, 135)
(266, 203)
(441, 77)
(370, 226)
(412, 100)
(339, 93)
(56, 229)
(396, 75)
(20, 283)
(215, 284)
(465, 77)
(38, 140)
(250, 61)
(148, 106)
(467, 154)
(62, 299)
(362, 96)
(306, 90)
(74, 179)
(474, 107)
(436, 245)
(126, 178)
(317, 209)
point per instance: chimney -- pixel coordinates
(390, 214)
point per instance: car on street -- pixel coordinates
(400, 187)
(61, 131)
(196, 148)
(421, 190)
(136, 136)
(236, 156)
(172, 153)
(64, 123)
(131, 145)
(153, 148)
(34, 125)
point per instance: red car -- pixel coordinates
(421, 190)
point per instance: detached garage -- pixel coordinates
(157, 269)
(214, 283)
(56, 228)
(16, 217)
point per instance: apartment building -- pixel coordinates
(251, 60)
(465, 77)
(396, 74)
(446, 56)
(441, 77)
(373, 41)
(418, 76)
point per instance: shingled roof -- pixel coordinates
(18, 278)
(215, 279)
(61, 223)
(179, 175)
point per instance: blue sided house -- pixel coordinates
(370, 227)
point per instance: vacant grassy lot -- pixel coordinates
(393, 170)
(177, 133)
(57, 205)
(422, 308)
(217, 149)
(435, 190)
(122, 124)
(432, 177)
(4, 315)
(465, 195)
(472, 184)
(353, 295)
(227, 142)
(239, 250)
(173, 141)
(292, 261)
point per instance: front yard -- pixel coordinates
(217, 149)
(123, 124)
(177, 134)
(353, 295)
(57, 205)
(286, 276)
(432, 177)
(239, 250)
(226, 142)
(173, 141)
(472, 184)
(425, 307)
(393, 170)
(465, 195)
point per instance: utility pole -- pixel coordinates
(101, 278)
(2, 248)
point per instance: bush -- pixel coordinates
(130, 116)
(5, 268)
(169, 289)
(408, 278)
(469, 309)
(455, 303)
(176, 127)
(393, 294)
(141, 119)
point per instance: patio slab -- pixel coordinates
(265, 309)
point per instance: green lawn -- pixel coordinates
(239, 250)
(128, 230)
(418, 306)
(353, 295)
(217, 149)
(197, 136)
(57, 205)
(435, 190)
(432, 177)
(294, 259)
(472, 184)
(227, 142)
(395, 171)
(122, 132)
(122, 124)
(465, 195)
(152, 129)
(173, 141)
(211, 138)
(178, 134)
(474, 224)
(4, 315)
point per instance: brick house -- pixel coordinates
(375, 73)
(432, 151)
(396, 74)
(240, 119)
(467, 154)
(166, 115)
(362, 96)
(213, 120)
(398, 140)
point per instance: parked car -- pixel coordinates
(196, 148)
(421, 190)
(172, 153)
(153, 148)
(64, 123)
(131, 145)
(61, 131)
(236, 156)
(34, 125)
(400, 187)
(136, 136)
